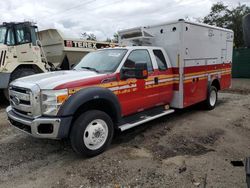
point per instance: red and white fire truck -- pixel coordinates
(160, 68)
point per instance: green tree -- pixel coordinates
(218, 15)
(222, 16)
(115, 37)
(88, 36)
(236, 16)
(91, 36)
(108, 40)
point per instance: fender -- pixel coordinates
(73, 103)
(215, 80)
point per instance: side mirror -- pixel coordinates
(140, 71)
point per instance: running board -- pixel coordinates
(146, 119)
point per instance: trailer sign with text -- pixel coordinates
(88, 44)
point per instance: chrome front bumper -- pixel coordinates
(31, 126)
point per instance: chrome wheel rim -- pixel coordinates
(95, 134)
(212, 98)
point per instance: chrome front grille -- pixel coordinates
(25, 98)
(20, 100)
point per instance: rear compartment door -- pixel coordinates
(195, 81)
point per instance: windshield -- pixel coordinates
(102, 60)
(2, 34)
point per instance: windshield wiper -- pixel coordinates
(90, 68)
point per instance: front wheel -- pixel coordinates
(92, 133)
(212, 96)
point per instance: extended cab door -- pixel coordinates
(138, 96)
(164, 75)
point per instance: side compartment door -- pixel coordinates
(195, 81)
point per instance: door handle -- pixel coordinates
(156, 79)
(195, 80)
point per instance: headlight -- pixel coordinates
(52, 100)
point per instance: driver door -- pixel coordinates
(133, 94)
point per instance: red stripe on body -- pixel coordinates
(83, 82)
(196, 90)
(196, 69)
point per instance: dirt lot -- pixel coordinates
(191, 148)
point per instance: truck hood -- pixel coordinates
(53, 79)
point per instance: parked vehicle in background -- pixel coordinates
(25, 51)
(19, 54)
(64, 52)
(161, 68)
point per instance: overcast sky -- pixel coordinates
(103, 17)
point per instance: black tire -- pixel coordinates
(79, 133)
(3, 98)
(212, 96)
(21, 72)
(6, 94)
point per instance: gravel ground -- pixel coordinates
(190, 148)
